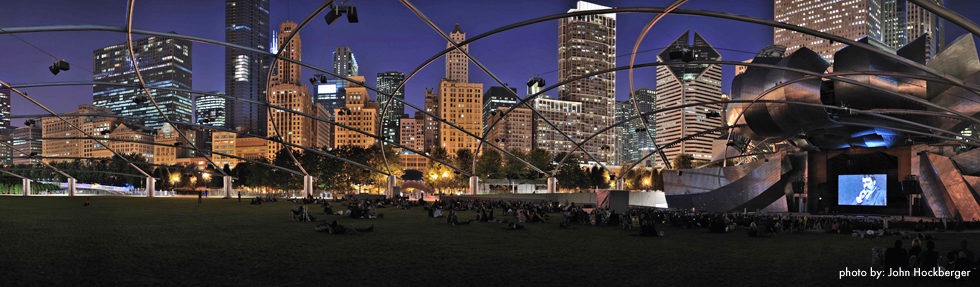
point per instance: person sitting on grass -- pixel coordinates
(336, 228)
(437, 213)
(897, 257)
(87, 202)
(929, 258)
(515, 226)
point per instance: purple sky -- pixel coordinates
(388, 37)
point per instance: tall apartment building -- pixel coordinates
(5, 110)
(496, 97)
(52, 127)
(462, 105)
(246, 24)
(893, 22)
(565, 114)
(287, 90)
(6, 152)
(211, 110)
(457, 64)
(687, 84)
(26, 139)
(587, 44)
(626, 134)
(324, 130)
(360, 113)
(413, 132)
(433, 106)
(328, 94)
(163, 62)
(344, 63)
(513, 130)
(387, 82)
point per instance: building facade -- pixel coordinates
(246, 24)
(566, 115)
(5, 110)
(432, 106)
(513, 130)
(52, 127)
(457, 64)
(461, 105)
(344, 63)
(684, 84)
(587, 44)
(387, 83)
(26, 139)
(163, 62)
(328, 94)
(893, 22)
(413, 132)
(287, 90)
(211, 110)
(360, 113)
(496, 97)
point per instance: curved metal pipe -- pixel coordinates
(76, 170)
(949, 15)
(111, 159)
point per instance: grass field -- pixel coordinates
(55, 241)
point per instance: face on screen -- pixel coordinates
(869, 183)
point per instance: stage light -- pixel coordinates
(59, 66)
(336, 11)
(29, 122)
(367, 170)
(351, 14)
(139, 99)
(178, 143)
(104, 132)
(712, 114)
(32, 155)
(313, 81)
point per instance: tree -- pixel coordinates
(541, 158)
(356, 174)
(488, 166)
(282, 179)
(683, 161)
(377, 161)
(514, 168)
(328, 172)
(569, 175)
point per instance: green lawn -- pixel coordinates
(55, 241)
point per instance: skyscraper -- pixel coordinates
(511, 131)
(26, 139)
(496, 97)
(699, 83)
(92, 125)
(287, 90)
(632, 140)
(903, 22)
(5, 110)
(211, 110)
(462, 105)
(163, 62)
(246, 24)
(387, 82)
(344, 63)
(893, 22)
(328, 94)
(587, 44)
(457, 64)
(433, 106)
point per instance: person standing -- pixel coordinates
(239, 197)
(199, 196)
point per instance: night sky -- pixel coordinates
(388, 37)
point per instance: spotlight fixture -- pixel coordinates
(32, 155)
(276, 138)
(679, 173)
(323, 78)
(313, 81)
(641, 130)
(367, 170)
(139, 99)
(29, 122)
(105, 132)
(178, 143)
(612, 176)
(336, 11)
(712, 114)
(59, 66)
(456, 172)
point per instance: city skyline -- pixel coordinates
(513, 64)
